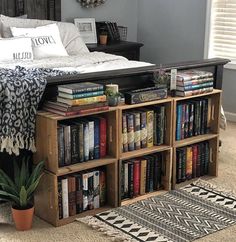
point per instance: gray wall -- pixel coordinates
(171, 30)
(124, 12)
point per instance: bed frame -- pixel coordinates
(126, 78)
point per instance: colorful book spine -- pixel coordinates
(194, 92)
(90, 190)
(189, 163)
(136, 178)
(60, 209)
(124, 133)
(207, 158)
(198, 165)
(195, 156)
(80, 95)
(160, 124)
(103, 137)
(81, 142)
(85, 192)
(130, 131)
(67, 140)
(65, 200)
(82, 101)
(126, 180)
(194, 82)
(143, 168)
(91, 139)
(186, 123)
(80, 88)
(74, 144)
(151, 174)
(72, 195)
(178, 121)
(61, 147)
(147, 188)
(137, 136)
(86, 141)
(191, 118)
(131, 179)
(96, 192)
(96, 139)
(143, 132)
(150, 119)
(195, 87)
(184, 164)
(103, 189)
(183, 120)
(178, 166)
(79, 193)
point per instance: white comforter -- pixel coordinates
(83, 63)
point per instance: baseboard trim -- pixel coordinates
(230, 116)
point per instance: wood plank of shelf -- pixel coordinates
(145, 151)
(139, 198)
(215, 91)
(65, 221)
(194, 139)
(129, 106)
(185, 183)
(60, 117)
(85, 165)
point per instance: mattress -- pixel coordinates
(82, 63)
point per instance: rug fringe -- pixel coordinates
(215, 188)
(115, 234)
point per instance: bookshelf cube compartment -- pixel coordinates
(196, 118)
(46, 196)
(141, 122)
(201, 160)
(145, 176)
(47, 141)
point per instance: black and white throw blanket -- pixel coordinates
(20, 92)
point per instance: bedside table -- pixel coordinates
(130, 50)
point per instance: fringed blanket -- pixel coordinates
(20, 92)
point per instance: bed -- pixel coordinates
(84, 66)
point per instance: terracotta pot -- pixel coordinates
(103, 39)
(23, 218)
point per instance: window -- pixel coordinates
(221, 30)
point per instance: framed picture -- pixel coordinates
(87, 29)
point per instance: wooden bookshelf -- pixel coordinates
(212, 137)
(46, 198)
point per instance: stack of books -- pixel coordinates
(78, 98)
(143, 128)
(192, 161)
(193, 82)
(142, 175)
(82, 140)
(81, 192)
(193, 118)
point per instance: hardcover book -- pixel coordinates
(130, 131)
(80, 95)
(67, 143)
(96, 189)
(124, 133)
(143, 132)
(60, 209)
(143, 168)
(103, 137)
(150, 119)
(79, 193)
(72, 195)
(85, 191)
(65, 200)
(137, 136)
(61, 146)
(102, 182)
(80, 87)
(90, 190)
(136, 177)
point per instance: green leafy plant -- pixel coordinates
(20, 191)
(110, 93)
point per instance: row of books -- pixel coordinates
(142, 175)
(78, 98)
(81, 192)
(193, 82)
(193, 118)
(192, 161)
(143, 128)
(82, 140)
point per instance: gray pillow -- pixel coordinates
(69, 33)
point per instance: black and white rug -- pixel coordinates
(187, 214)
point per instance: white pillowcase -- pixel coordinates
(16, 49)
(46, 40)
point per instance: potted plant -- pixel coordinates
(20, 191)
(113, 98)
(103, 37)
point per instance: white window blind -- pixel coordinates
(222, 41)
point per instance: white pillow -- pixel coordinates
(16, 49)
(69, 33)
(46, 40)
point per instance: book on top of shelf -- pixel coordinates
(80, 87)
(82, 101)
(194, 92)
(80, 95)
(194, 82)
(192, 74)
(195, 87)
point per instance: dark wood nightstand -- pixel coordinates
(130, 50)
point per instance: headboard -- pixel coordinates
(37, 9)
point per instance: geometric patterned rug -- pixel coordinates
(187, 214)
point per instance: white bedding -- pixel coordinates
(82, 63)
